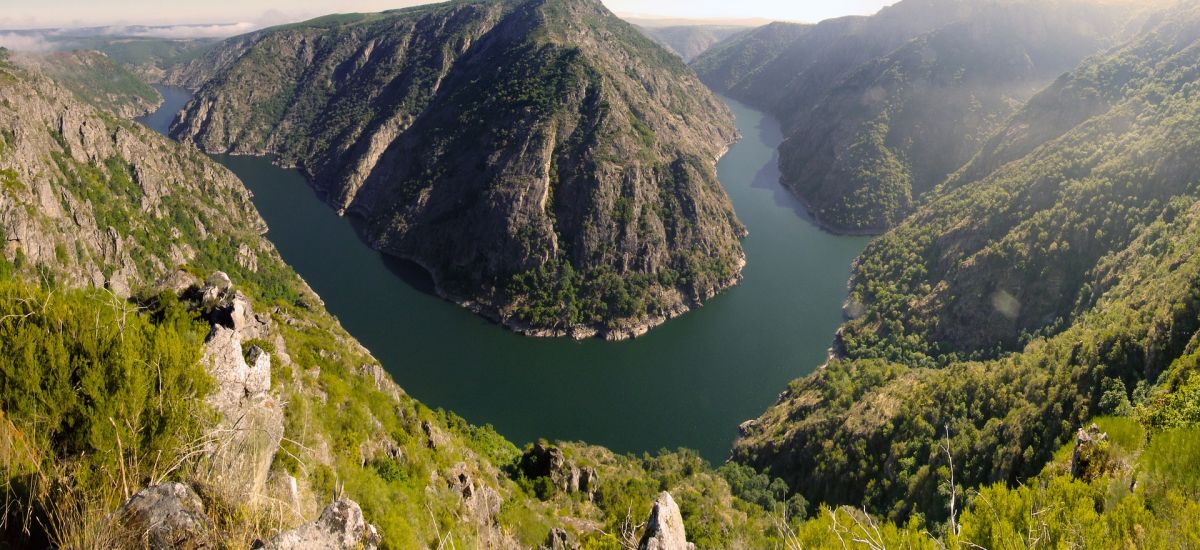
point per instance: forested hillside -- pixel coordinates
(101, 81)
(1015, 307)
(548, 164)
(879, 110)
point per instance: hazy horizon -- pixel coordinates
(229, 17)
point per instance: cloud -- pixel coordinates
(22, 42)
(184, 31)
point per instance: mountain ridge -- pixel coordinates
(571, 241)
(880, 110)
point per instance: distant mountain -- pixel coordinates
(689, 41)
(97, 79)
(1052, 280)
(143, 50)
(548, 164)
(879, 110)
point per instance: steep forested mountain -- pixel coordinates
(878, 110)
(1054, 280)
(548, 164)
(689, 41)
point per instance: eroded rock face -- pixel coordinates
(164, 516)
(481, 501)
(340, 526)
(228, 307)
(117, 244)
(664, 529)
(244, 442)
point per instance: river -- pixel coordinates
(688, 383)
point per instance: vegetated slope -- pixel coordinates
(124, 365)
(689, 41)
(548, 164)
(878, 110)
(101, 396)
(1012, 308)
(96, 79)
(93, 200)
(146, 56)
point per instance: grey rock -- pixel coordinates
(480, 501)
(340, 526)
(228, 307)
(170, 515)
(542, 461)
(558, 539)
(434, 438)
(251, 428)
(178, 282)
(589, 481)
(219, 281)
(664, 528)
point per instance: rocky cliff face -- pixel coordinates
(94, 201)
(550, 166)
(879, 110)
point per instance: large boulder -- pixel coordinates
(170, 515)
(340, 526)
(664, 529)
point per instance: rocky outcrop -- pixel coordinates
(1091, 458)
(549, 462)
(664, 528)
(244, 442)
(480, 501)
(166, 516)
(548, 165)
(340, 527)
(558, 539)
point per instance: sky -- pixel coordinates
(236, 16)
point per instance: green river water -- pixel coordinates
(688, 383)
